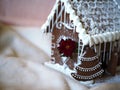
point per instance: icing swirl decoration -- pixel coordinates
(67, 25)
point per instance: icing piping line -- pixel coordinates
(50, 16)
(89, 69)
(88, 77)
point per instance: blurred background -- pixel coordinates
(26, 12)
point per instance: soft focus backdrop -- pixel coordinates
(25, 12)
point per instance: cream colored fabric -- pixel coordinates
(107, 86)
(22, 63)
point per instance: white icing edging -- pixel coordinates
(87, 39)
(88, 77)
(89, 58)
(66, 71)
(100, 38)
(89, 69)
(44, 26)
(61, 68)
(104, 37)
(74, 17)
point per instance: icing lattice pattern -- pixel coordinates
(98, 16)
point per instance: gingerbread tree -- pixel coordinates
(90, 67)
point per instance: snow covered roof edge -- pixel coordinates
(68, 9)
(86, 38)
(50, 16)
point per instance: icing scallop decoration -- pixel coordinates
(108, 37)
(100, 38)
(117, 35)
(113, 36)
(72, 16)
(91, 41)
(95, 39)
(78, 29)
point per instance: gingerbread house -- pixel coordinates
(85, 37)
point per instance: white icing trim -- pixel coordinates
(88, 77)
(74, 17)
(44, 26)
(104, 53)
(110, 50)
(68, 26)
(104, 37)
(89, 69)
(87, 39)
(89, 58)
(64, 38)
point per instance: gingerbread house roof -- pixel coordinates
(96, 21)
